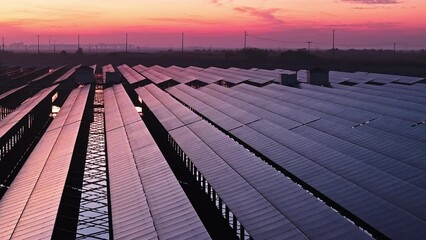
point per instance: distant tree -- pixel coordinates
(63, 52)
(255, 53)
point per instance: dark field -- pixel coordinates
(409, 63)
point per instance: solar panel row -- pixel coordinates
(30, 206)
(17, 128)
(258, 175)
(300, 148)
(130, 74)
(346, 115)
(155, 202)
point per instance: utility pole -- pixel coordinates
(2, 44)
(394, 50)
(245, 40)
(309, 46)
(126, 42)
(182, 41)
(78, 42)
(54, 48)
(38, 44)
(333, 41)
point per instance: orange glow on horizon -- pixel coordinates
(299, 20)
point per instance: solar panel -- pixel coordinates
(370, 95)
(379, 92)
(358, 116)
(366, 105)
(223, 146)
(130, 75)
(175, 75)
(135, 158)
(30, 206)
(66, 76)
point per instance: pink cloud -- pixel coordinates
(263, 14)
(373, 1)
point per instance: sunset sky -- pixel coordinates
(220, 23)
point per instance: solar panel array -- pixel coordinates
(156, 203)
(262, 132)
(30, 206)
(250, 169)
(363, 77)
(189, 149)
(130, 74)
